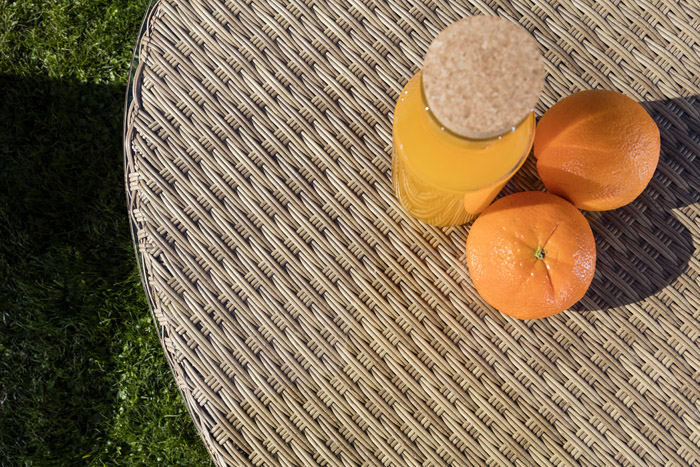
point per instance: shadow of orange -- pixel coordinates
(645, 246)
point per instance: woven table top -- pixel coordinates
(308, 320)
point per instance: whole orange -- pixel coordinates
(531, 255)
(597, 149)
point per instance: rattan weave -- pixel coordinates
(309, 320)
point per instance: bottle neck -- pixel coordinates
(452, 134)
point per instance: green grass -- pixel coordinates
(83, 379)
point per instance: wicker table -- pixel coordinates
(308, 320)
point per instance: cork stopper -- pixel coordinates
(482, 76)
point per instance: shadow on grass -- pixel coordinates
(82, 377)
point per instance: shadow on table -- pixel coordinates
(645, 246)
(71, 352)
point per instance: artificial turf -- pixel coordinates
(83, 379)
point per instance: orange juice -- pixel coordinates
(443, 178)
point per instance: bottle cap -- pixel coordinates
(482, 76)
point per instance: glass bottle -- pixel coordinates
(464, 124)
